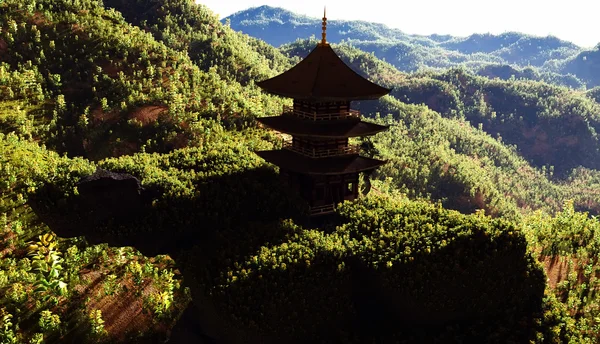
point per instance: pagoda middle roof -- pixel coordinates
(292, 161)
(322, 75)
(293, 125)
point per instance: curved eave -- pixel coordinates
(330, 98)
(322, 75)
(320, 166)
(324, 129)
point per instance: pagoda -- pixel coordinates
(318, 160)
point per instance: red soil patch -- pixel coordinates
(5, 243)
(534, 132)
(76, 28)
(148, 114)
(75, 89)
(180, 141)
(38, 19)
(540, 149)
(568, 141)
(473, 202)
(542, 146)
(432, 103)
(446, 167)
(3, 46)
(125, 148)
(99, 116)
(122, 312)
(110, 69)
(479, 201)
(557, 269)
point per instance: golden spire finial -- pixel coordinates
(324, 34)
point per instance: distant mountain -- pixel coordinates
(408, 52)
(594, 93)
(507, 72)
(546, 124)
(586, 66)
(278, 26)
(482, 43)
(514, 47)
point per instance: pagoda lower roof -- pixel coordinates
(320, 166)
(322, 75)
(340, 128)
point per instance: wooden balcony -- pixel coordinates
(322, 210)
(321, 153)
(313, 116)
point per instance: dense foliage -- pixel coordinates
(109, 88)
(584, 65)
(187, 27)
(403, 270)
(163, 93)
(549, 125)
(451, 143)
(49, 284)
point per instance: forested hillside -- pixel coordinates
(553, 128)
(586, 66)
(133, 208)
(552, 59)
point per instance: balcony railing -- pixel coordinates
(322, 210)
(313, 116)
(320, 153)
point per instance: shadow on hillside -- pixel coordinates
(156, 223)
(459, 292)
(238, 213)
(471, 288)
(455, 292)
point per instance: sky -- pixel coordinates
(573, 20)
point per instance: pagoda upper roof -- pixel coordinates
(322, 75)
(340, 128)
(320, 166)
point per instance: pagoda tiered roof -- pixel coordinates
(335, 165)
(292, 125)
(322, 75)
(319, 161)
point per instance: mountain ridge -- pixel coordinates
(279, 14)
(549, 55)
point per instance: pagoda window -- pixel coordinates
(303, 106)
(285, 176)
(320, 193)
(337, 192)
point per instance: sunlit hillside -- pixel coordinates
(133, 208)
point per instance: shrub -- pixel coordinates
(49, 322)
